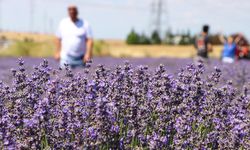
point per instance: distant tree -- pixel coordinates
(144, 39)
(214, 39)
(193, 40)
(133, 38)
(189, 33)
(3, 38)
(155, 38)
(169, 37)
(28, 40)
(186, 38)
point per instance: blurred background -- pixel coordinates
(122, 28)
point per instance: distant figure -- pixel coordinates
(230, 47)
(203, 45)
(242, 51)
(74, 40)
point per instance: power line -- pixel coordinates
(108, 6)
(159, 15)
(32, 9)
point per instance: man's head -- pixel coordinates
(205, 29)
(73, 12)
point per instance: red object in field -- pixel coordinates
(242, 47)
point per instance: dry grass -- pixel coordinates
(20, 36)
(115, 48)
(120, 49)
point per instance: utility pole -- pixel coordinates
(31, 15)
(159, 15)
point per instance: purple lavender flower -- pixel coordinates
(125, 107)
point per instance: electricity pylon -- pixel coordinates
(159, 15)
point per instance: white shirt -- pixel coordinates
(73, 37)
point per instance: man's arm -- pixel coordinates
(222, 39)
(58, 49)
(89, 49)
(210, 47)
(195, 42)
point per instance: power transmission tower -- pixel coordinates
(159, 15)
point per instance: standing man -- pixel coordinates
(203, 45)
(74, 41)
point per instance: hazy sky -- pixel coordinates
(115, 18)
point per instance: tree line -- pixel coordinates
(170, 38)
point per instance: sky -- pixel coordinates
(114, 19)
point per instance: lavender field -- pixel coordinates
(140, 104)
(6, 64)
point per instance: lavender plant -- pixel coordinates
(123, 108)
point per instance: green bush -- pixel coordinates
(185, 40)
(155, 38)
(133, 38)
(169, 37)
(144, 39)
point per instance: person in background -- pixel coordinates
(74, 42)
(242, 50)
(230, 47)
(203, 45)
